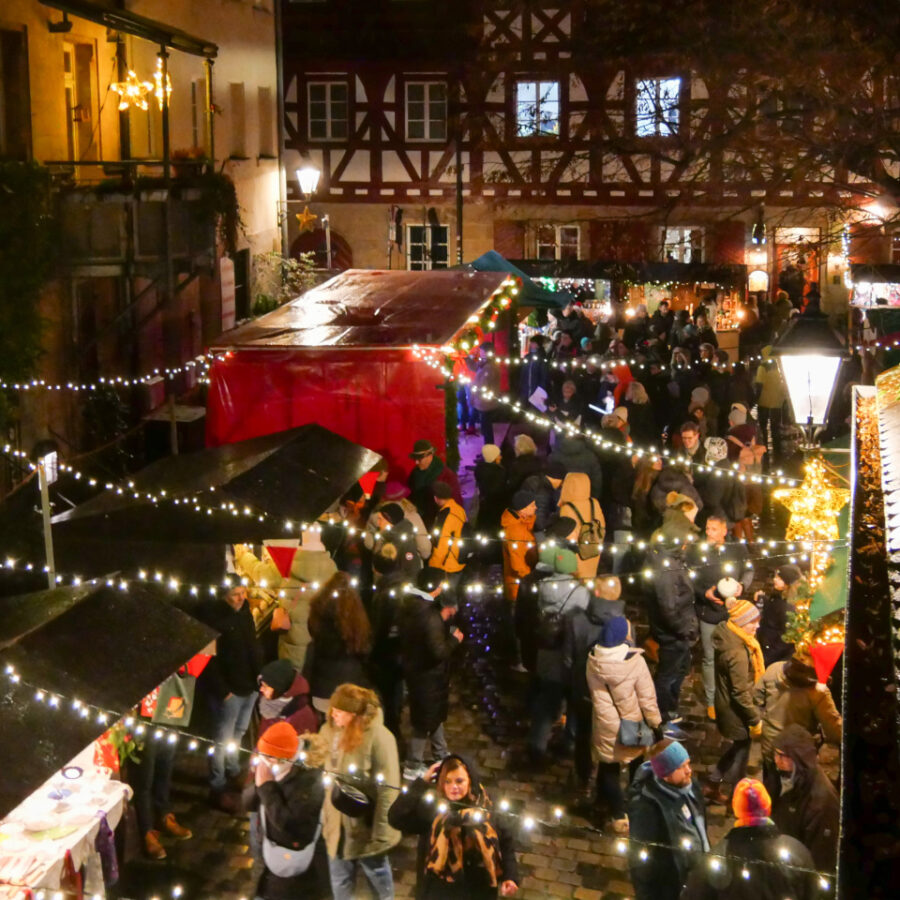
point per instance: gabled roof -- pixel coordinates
(366, 308)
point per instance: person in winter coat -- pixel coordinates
(775, 607)
(559, 594)
(726, 496)
(583, 629)
(448, 523)
(485, 388)
(524, 463)
(678, 520)
(770, 400)
(641, 418)
(429, 469)
(644, 517)
(358, 746)
(287, 801)
(341, 640)
(517, 523)
(574, 455)
(545, 487)
(621, 690)
(490, 476)
(231, 686)
(738, 663)
(392, 527)
(665, 809)
(284, 697)
(789, 694)
(756, 847)
(466, 851)
(394, 492)
(535, 371)
(805, 805)
(577, 502)
(673, 624)
(715, 559)
(673, 478)
(426, 641)
(568, 408)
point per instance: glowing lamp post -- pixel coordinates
(809, 355)
(308, 179)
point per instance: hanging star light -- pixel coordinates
(132, 92)
(306, 219)
(158, 82)
(814, 508)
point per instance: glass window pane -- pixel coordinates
(415, 92)
(339, 92)
(416, 110)
(318, 111)
(526, 92)
(438, 130)
(438, 92)
(415, 130)
(339, 128)
(317, 129)
(317, 92)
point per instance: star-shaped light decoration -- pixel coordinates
(814, 508)
(132, 92)
(306, 219)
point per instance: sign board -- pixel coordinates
(226, 284)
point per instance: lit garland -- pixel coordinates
(158, 84)
(637, 850)
(481, 323)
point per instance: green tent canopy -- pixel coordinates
(531, 294)
(831, 595)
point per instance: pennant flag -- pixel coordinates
(367, 483)
(825, 657)
(282, 553)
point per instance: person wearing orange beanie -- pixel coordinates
(754, 861)
(279, 741)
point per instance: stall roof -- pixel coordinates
(531, 294)
(102, 646)
(637, 272)
(372, 308)
(875, 274)
(296, 474)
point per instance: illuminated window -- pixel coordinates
(426, 111)
(683, 244)
(537, 108)
(427, 247)
(657, 106)
(558, 241)
(328, 110)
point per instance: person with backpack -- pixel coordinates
(451, 525)
(517, 523)
(287, 801)
(576, 502)
(559, 594)
(625, 715)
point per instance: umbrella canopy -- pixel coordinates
(259, 485)
(96, 644)
(531, 293)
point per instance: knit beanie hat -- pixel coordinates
(700, 395)
(565, 562)
(442, 490)
(789, 574)
(716, 449)
(608, 587)
(742, 613)
(670, 757)
(728, 587)
(751, 802)
(490, 452)
(393, 512)
(395, 490)
(279, 740)
(555, 469)
(278, 675)
(521, 499)
(738, 414)
(615, 632)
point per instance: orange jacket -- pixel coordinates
(518, 535)
(450, 519)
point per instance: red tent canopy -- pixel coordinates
(341, 355)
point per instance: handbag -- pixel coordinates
(286, 862)
(631, 733)
(351, 801)
(175, 700)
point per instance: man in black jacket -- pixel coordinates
(426, 642)
(545, 487)
(666, 810)
(230, 679)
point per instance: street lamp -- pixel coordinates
(809, 355)
(308, 179)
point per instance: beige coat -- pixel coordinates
(376, 754)
(619, 684)
(575, 494)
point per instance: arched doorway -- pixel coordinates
(314, 242)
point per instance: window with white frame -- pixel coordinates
(558, 241)
(426, 111)
(683, 244)
(427, 247)
(657, 102)
(328, 110)
(537, 108)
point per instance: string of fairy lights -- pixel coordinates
(637, 851)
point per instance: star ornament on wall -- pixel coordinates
(306, 219)
(132, 92)
(814, 505)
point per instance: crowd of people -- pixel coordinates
(369, 623)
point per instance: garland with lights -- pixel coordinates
(637, 850)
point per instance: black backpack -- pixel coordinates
(551, 625)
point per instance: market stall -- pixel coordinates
(874, 286)
(343, 355)
(75, 660)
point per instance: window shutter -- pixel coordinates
(509, 238)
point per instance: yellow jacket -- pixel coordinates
(518, 533)
(450, 519)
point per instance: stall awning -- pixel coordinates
(732, 276)
(140, 26)
(875, 274)
(291, 475)
(365, 308)
(99, 645)
(531, 294)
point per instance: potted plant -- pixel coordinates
(187, 161)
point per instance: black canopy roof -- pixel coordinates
(638, 272)
(96, 644)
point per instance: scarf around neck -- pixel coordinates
(756, 654)
(465, 837)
